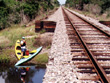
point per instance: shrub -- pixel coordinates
(42, 58)
(95, 9)
(108, 12)
(42, 31)
(14, 12)
(3, 17)
(45, 42)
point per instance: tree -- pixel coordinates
(14, 11)
(3, 15)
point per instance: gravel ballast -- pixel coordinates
(61, 68)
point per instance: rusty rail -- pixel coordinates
(97, 27)
(101, 73)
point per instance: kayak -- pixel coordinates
(31, 55)
(18, 67)
(18, 51)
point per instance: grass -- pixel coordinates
(10, 35)
(4, 59)
(103, 17)
(6, 55)
(48, 47)
(41, 58)
(8, 38)
(42, 31)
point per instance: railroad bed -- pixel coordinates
(89, 48)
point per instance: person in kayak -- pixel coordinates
(23, 47)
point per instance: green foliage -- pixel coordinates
(13, 11)
(11, 34)
(3, 15)
(30, 8)
(4, 59)
(105, 5)
(5, 55)
(48, 47)
(56, 3)
(42, 31)
(79, 4)
(42, 58)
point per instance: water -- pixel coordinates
(22, 74)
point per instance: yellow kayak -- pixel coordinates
(18, 51)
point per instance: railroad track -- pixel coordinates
(90, 47)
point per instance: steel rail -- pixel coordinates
(101, 73)
(97, 27)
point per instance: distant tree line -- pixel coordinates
(17, 11)
(94, 6)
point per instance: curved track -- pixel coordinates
(89, 47)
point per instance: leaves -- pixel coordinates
(13, 11)
(79, 4)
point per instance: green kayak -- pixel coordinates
(23, 60)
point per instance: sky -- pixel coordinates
(62, 1)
